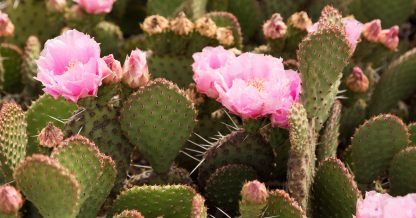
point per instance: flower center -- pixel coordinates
(258, 84)
(70, 65)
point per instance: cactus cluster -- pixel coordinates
(182, 129)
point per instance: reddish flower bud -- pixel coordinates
(274, 28)
(10, 200)
(357, 81)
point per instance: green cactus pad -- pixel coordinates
(31, 53)
(176, 175)
(322, 56)
(13, 139)
(280, 204)
(174, 68)
(50, 187)
(225, 19)
(402, 172)
(301, 162)
(248, 14)
(42, 111)
(11, 61)
(334, 191)
(412, 132)
(284, 7)
(317, 6)
(238, 147)
(171, 8)
(374, 145)
(98, 121)
(158, 119)
(396, 83)
(81, 158)
(223, 187)
(31, 17)
(101, 189)
(329, 138)
(389, 12)
(168, 201)
(352, 116)
(129, 214)
(110, 38)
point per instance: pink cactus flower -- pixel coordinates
(110, 69)
(353, 29)
(371, 30)
(67, 66)
(10, 200)
(96, 6)
(390, 37)
(274, 28)
(136, 72)
(377, 205)
(257, 85)
(208, 67)
(6, 25)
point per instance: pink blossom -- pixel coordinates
(274, 28)
(371, 30)
(10, 200)
(377, 205)
(257, 85)
(6, 25)
(390, 37)
(136, 72)
(353, 29)
(67, 66)
(110, 69)
(208, 66)
(96, 6)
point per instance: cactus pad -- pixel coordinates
(158, 119)
(329, 138)
(50, 187)
(412, 132)
(389, 12)
(174, 68)
(402, 172)
(282, 205)
(129, 214)
(11, 61)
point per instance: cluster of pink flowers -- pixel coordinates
(96, 6)
(376, 205)
(250, 85)
(388, 37)
(353, 29)
(70, 66)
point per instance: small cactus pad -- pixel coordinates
(174, 68)
(301, 162)
(280, 204)
(237, 147)
(322, 56)
(396, 83)
(129, 214)
(403, 171)
(50, 187)
(42, 111)
(13, 139)
(334, 191)
(153, 201)
(11, 61)
(81, 158)
(389, 12)
(224, 185)
(412, 132)
(158, 119)
(374, 144)
(329, 138)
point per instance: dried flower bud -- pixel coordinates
(192, 93)
(274, 28)
(50, 136)
(225, 36)
(254, 192)
(111, 69)
(155, 24)
(56, 5)
(206, 27)
(357, 81)
(6, 25)
(10, 200)
(372, 30)
(390, 37)
(300, 20)
(181, 25)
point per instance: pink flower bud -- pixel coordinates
(254, 192)
(136, 72)
(371, 30)
(50, 136)
(274, 28)
(6, 25)
(111, 69)
(357, 81)
(56, 5)
(96, 6)
(10, 200)
(390, 37)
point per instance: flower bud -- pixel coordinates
(206, 27)
(111, 69)
(10, 200)
(56, 5)
(357, 81)
(225, 36)
(254, 192)
(300, 20)
(136, 72)
(181, 25)
(155, 24)
(274, 28)
(50, 136)
(372, 30)
(390, 37)
(6, 25)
